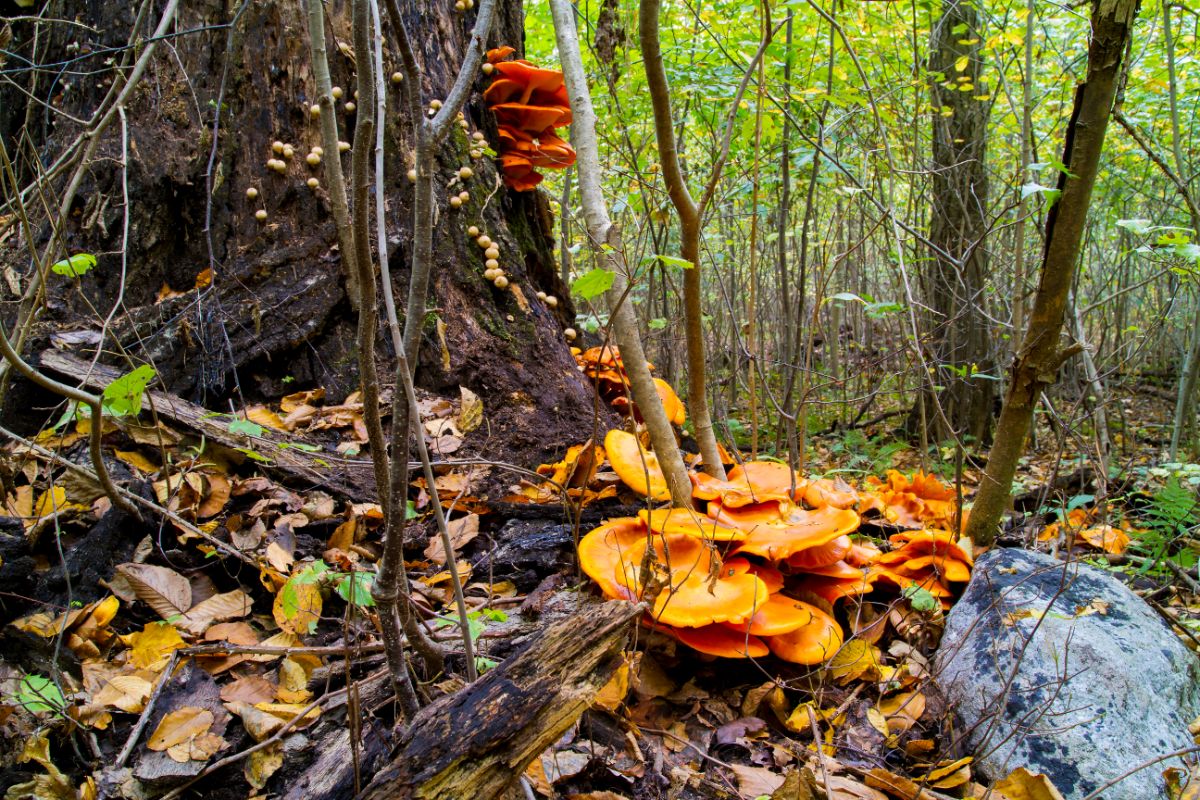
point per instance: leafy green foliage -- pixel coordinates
(593, 284)
(123, 397)
(355, 588)
(76, 265)
(37, 693)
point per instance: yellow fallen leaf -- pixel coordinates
(179, 726)
(136, 460)
(294, 672)
(613, 694)
(262, 764)
(903, 710)
(297, 607)
(126, 692)
(153, 644)
(197, 748)
(1021, 784)
(265, 417)
(855, 660)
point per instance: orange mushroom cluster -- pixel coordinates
(764, 521)
(530, 104)
(603, 366)
(916, 502)
(1084, 529)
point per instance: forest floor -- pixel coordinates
(261, 575)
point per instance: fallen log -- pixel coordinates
(352, 478)
(478, 741)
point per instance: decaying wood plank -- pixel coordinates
(352, 478)
(476, 742)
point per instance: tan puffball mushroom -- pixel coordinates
(476, 154)
(501, 282)
(460, 6)
(288, 151)
(260, 215)
(470, 3)
(336, 92)
(397, 77)
(541, 295)
(313, 159)
(473, 231)
(412, 175)
(477, 136)
(492, 263)
(350, 108)
(465, 172)
(313, 183)
(570, 334)
(314, 111)
(510, 318)
(343, 147)
(492, 252)
(483, 241)
(316, 148)
(488, 68)
(455, 202)
(251, 193)
(492, 274)
(464, 196)
(277, 146)
(552, 301)
(277, 165)
(435, 104)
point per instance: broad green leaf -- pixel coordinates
(355, 588)
(37, 693)
(920, 599)
(593, 284)
(123, 397)
(76, 265)
(245, 426)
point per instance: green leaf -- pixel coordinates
(76, 265)
(253, 455)
(302, 446)
(593, 284)
(123, 397)
(849, 297)
(920, 599)
(672, 261)
(1079, 501)
(656, 324)
(245, 426)
(355, 588)
(37, 693)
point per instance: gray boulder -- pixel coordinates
(1059, 668)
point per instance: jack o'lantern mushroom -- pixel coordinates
(687, 522)
(772, 577)
(820, 555)
(602, 554)
(750, 483)
(676, 411)
(813, 643)
(779, 615)
(635, 465)
(719, 640)
(796, 530)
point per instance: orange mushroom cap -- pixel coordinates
(832, 589)
(780, 614)
(635, 465)
(602, 554)
(925, 542)
(751, 483)
(830, 492)
(498, 54)
(529, 77)
(772, 577)
(533, 119)
(862, 553)
(925, 579)
(838, 569)
(821, 555)
(801, 530)
(700, 599)
(811, 644)
(689, 523)
(718, 640)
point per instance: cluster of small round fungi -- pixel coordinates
(766, 567)
(530, 104)
(603, 366)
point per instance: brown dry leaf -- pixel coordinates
(20, 504)
(129, 693)
(281, 639)
(54, 785)
(897, 785)
(163, 589)
(179, 726)
(249, 689)
(262, 764)
(877, 720)
(756, 781)
(1021, 784)
(343, 536)
(470, 415)
(218, 608)
(278, 557)
(291, 402)
(198, 748)
(138, 461)
(152, 646)
(612, 695)
(258, 723)
(216, 497)
(265, 417)
(294, 672)
(461, 530)
(950, 774)
(903, 710)
(855, 660)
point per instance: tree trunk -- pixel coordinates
(1041, 352)
(277, 317)
(961, 335)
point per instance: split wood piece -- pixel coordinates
(477, 741)
(353, 479)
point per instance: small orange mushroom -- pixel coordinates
(780, 614)
(720, 641)
(821, 555)
(811, 644)
(689, 523)
(635, 465)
